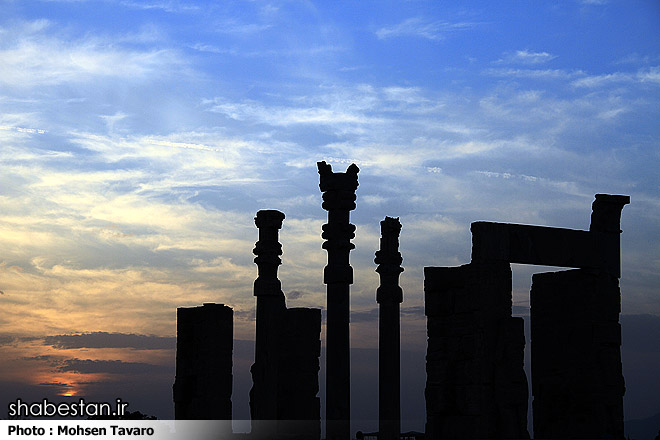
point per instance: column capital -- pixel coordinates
(606, 212)
(331, 181)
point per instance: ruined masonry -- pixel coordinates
(476, 386)
(285, 372)
(577, 378)
(204, 344)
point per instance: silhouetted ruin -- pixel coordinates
(339, 200)
(204, 344)
(577, 378)
(476, 385)
(287, 349)
(389, 296)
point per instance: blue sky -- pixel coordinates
(138, 140)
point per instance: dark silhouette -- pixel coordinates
(577, 378)
(204, 344)
(283, 400)
(338, 199)
(476, 386)
(270, 307)
(389, 295)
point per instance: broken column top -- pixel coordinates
(389, 254)
(389, 260)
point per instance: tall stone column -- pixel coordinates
(270, 307)
(338, 199)
(389, 295)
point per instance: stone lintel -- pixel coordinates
(541, 245)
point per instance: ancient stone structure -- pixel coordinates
(476, 386)
(577, 378)
(203, 384)
(283, 400)
(389, 297)
(270, 307)
(338, 199)
(299, 408)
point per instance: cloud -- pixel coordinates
(110, 340)
(422, 28)
(546, 74)
(601, 80)
(36, 58)
(649, 75)
(594, 2)
(527, 57)
(167, 6)
(235, 27)
(89, 366)
(287, 116)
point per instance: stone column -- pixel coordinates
(338, 199)
(270, 306)
(389, 295)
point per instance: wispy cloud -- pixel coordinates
(649, 75)
(167, 6)
(236, 27)
(534, 73)
(526, 57)
(33, 58)
(110, 340)
(288, 116)
(424, 28)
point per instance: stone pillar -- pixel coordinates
(270, 307)
(338, 199)
(476, 385)
(389, 295)
(204, 343)
(577, 379)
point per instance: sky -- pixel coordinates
(139, 138)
